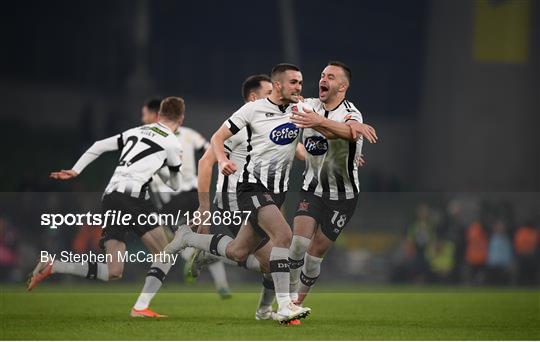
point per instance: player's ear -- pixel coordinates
(343, 87)
(276, 85)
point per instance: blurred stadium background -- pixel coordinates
(451, 191)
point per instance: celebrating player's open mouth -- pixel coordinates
(323, 91)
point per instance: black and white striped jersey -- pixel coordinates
(144, 151)
(271, 143)
(192, 142)
(236, 149)
(331, 168)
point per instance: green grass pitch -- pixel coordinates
(75, 312)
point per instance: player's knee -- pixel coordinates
(283, 239)
(115, 273)
(239, 254)
(299, 244)
(317, 250)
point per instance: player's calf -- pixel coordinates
(309, 275)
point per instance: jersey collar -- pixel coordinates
(282, 108)
(167, 128)
(331, 110)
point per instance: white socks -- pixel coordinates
(279, 268)
(217, 271)
(213, 243)
(309, 274)
(90, 270)
(268, 293)
(154, 279)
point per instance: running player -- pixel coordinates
(255, 87)
(185, 199)
(331, 185)
(145, 150)
(262, 185)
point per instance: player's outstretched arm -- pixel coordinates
(226, 166)
(97, 149)
(63, 174)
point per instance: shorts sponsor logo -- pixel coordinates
(284, 134)
(268, 197)
(303, 206)
(316, 145)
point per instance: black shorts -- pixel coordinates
(229, 229)
(332, 215)
(125, 204)
(184, 202)
(252, 197)
(233, 230)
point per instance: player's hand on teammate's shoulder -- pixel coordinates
(227, 167)
(306, 119)
(64, 174)
(367, 131)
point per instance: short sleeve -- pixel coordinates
(352, 113)
(174, 157)
(231, 143)
(240, 118)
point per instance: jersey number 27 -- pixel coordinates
(152, 148)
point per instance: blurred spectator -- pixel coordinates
(8, 250)
(453, 228)
(421, 233)
(476, 252)
(441, 259)
(526, 241)
(403, 257)
(87, 239)
(499, 255)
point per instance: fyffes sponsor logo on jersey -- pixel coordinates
(284, 134)
(316, 145)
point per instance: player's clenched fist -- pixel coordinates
(227, 167)
(63, 174)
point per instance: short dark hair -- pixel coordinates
(253, 83)
(153, 104)
(172, 108)
(281, 68)
(343, 66)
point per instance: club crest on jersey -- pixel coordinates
(316, 145)
(303, 206)
(284, 134)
